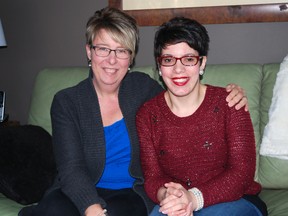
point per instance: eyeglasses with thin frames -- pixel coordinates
(104, 52)
(188, 60)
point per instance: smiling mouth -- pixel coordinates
(110, 70)
(180, 81)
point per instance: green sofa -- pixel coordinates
(257, 80)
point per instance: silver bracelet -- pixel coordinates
(199, 197)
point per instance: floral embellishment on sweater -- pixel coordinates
(207, 145)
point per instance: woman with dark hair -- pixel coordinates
(198, 155)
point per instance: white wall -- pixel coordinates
(232, 43)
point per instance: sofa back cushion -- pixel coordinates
(47, 83)
(257, 81)
(273, 172)
(249, 77)
(50, 80)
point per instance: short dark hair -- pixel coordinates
(181, 29)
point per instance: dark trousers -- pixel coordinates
(123, 202)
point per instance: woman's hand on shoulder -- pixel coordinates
(237, 97)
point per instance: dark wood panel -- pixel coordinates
(211, 15)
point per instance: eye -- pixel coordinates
(103, 49)
(189, 58)
(167, 59)
(122, 51)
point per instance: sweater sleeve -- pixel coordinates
(73, 175)
(239, 171)
(153, 173)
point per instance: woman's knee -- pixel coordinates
(236, 208)
(55, 203)
(155, 211)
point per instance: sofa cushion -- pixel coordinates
(27, 166)
(273, 172)
(48, 82)
(221, 75)
(151, 71)
(276, 201)
(275, 137)
(9, 207)
(51, 80)
(269, 77)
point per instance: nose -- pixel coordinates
(178, 67)
(112, 57)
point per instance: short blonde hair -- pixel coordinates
(121, 27)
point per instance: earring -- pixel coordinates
(129, 68)
(89, 63)
(160, 73)
(201, 72)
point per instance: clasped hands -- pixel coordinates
(176, 200)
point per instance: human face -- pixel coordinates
(181, 80)
(108, 71)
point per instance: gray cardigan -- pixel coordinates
(78, 137)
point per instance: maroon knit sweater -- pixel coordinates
(213, 149)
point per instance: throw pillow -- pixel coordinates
(27, 166)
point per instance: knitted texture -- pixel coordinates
(212, 150)
(79, 142)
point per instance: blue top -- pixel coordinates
(77, 126)
(118, 155)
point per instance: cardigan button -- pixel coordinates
(162, 152)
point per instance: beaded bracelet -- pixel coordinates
(199, 197)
